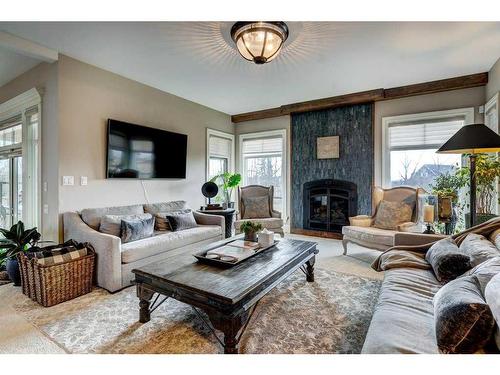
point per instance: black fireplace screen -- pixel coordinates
(328, 204)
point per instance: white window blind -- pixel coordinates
(423, 135)
(220, 147)
(262, 145)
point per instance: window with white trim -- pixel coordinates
(410, 143)
(263, 162)
(220, 154)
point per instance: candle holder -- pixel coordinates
(429, 229)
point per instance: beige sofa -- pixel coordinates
(362, 232)
(115, 261)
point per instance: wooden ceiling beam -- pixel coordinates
(456, 83)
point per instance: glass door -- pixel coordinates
(11, 191)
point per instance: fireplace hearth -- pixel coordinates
(328, 204)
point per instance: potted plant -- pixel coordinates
(227, 182)
(487, 172)
(250, 229)
(447, 186)
(16, 240)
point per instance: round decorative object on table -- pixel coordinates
(228, 216)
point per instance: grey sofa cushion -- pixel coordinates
(492, 296)
(447, 260)
(136, 229)
(464, 322)
(391, 214)
(161, 221)
(485, 272)
(403, 321)
(181, 220)
(111, 224)
(166, 241)
(92, 216)
(478, 248)
(155, 208)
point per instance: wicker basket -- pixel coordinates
(50, 285)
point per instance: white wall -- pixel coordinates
(493, 85)
(88, 97)
(44, 77)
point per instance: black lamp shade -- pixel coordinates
(472, 139)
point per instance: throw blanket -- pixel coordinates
(414, 256)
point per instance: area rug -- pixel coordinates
(331, 315)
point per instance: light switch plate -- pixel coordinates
(83, 180)
(46, 209)
(68, 180)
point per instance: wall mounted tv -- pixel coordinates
(136, 151)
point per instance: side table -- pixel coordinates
(228, 216)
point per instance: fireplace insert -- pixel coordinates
(328, 204)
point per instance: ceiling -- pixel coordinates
(13, 64)
(197, 60)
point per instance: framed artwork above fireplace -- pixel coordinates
(327, 147)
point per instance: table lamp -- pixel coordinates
(472, 139)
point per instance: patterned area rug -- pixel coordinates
(331, 315)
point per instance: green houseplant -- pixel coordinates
(250, 229)
(487, 172)
(16, 240)
(227, 182)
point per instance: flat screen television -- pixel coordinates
(136, 151)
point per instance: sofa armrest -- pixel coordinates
(409, 226)
(207, 219)
(106, 246)
(361, 221)
(411, 239)
(276, 214)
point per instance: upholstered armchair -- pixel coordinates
(256, 205)
(362, 229)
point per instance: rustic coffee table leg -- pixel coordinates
(230, 327)
(145, 295)
(310, 269)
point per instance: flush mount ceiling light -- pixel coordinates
(259, 41)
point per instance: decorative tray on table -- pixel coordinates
(232, 253)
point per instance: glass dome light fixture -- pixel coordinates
(259, 41)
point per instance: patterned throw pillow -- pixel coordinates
(111, 224)
(390, 214)
(256, 208)
(161, 221)
(181, 220)
(137, 229)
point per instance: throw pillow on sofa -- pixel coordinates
(137, 229)
(447, 260)
(181, 220)
(464, 322)
(478, 248)
(161, 221)
(485, 271)
(256, 208)
(111, 224)
(492, 296)
(391, 214)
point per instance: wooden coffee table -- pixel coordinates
(227, 296)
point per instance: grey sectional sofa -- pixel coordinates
(403, 320)
(115, 261)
